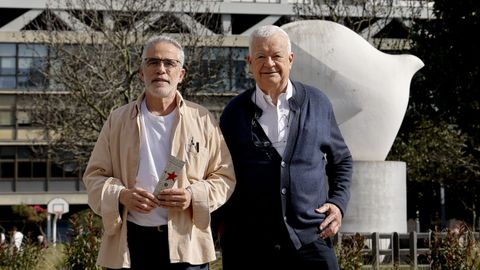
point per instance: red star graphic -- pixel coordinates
(171, 176)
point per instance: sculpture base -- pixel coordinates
(379, 198)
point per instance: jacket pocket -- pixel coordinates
(197, 162)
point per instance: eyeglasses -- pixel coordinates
(257, 141)
(156, 62)
(261, 144)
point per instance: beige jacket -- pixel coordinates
(113, 166)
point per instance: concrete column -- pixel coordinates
(227, 24)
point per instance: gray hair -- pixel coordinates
(268, 31)
(164, 39)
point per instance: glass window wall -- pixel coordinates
(22, 66)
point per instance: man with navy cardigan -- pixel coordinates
(292, 165)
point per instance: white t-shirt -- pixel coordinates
(155, 147)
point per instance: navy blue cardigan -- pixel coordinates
(274, 192)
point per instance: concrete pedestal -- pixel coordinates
(378, 198)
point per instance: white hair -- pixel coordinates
(164, 39)
(268, 31)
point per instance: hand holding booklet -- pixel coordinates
(170, 174)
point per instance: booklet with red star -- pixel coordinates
(170, 175)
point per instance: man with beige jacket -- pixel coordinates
(134, 151)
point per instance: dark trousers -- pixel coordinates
(148, 248)
(318, 255)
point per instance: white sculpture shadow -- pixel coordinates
(369, 89)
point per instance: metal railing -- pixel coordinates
(398, 250)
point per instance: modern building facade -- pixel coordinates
(28, 176)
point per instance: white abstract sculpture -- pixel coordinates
(369, 89)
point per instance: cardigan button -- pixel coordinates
(284, 191)
(283, 164)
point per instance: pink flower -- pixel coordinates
(39, 209)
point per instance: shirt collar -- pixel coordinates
(138, 104)
(264, 101)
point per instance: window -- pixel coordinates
(7, 162)
(21, 66)
(6, 118)
(31, 64)
(220, 70)
(7, 65)
(39, 169)
(24, 118)
(240, 80)
(24, 169)
(29, 169)
(67, 170)
(7, 169)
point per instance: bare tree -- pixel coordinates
(95, 49)
(369, 18)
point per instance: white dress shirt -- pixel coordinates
(275, 120)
